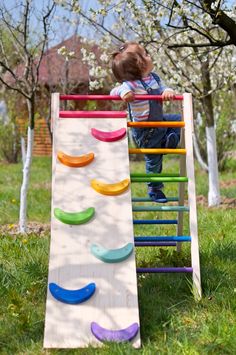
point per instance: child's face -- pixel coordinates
(141, 50)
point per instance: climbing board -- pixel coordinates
(92, 293)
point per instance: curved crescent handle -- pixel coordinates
(110, 189)
(121, 335)
(75, 162)
(72, 296)
(74, 217)
(108, 136)
(112, 255)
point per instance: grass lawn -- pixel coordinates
(171, 321)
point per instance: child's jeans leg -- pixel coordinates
(172, 117)
(154, 165)
(151, 139)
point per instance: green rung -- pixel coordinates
(159, 179)
(160, 208)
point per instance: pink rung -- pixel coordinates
(109, 97)
(92, 114)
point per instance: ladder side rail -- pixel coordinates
(188, 119)
(55, 105)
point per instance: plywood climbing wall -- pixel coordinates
(114, 304)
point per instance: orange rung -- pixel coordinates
(156, 151)
(156, 124)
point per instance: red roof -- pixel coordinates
(52, 69)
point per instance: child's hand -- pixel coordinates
(168, 95)
(129, 97)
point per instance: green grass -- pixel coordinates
(39, 194)
(171, 321)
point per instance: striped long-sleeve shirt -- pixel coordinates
(139, 108)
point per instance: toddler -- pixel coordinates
(132, 66)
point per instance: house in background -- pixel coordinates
(56, 74)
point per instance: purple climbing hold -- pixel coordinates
(121, 335)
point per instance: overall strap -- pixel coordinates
(156, 77)
(146, 87)
(130, 114)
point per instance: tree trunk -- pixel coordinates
(23, 150)
(25, 182)
(26, 168)
(198, 154)
(213, 192)
(213, 175)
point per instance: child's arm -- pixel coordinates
(124, 91)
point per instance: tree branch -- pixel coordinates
(216, 44)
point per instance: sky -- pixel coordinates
(63, 29)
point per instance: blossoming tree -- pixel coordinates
(191, 44)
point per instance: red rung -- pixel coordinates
(114, 98)
(92, 114)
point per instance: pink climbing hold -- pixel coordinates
(108, 136)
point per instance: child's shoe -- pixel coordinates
(157, 195)
(172, 141)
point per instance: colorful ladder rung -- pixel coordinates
(159, 178)
(163, 238)
(153, 174)
(153, 221)
(115, 97)
(161, 270)
(148, 199)
(155, 244)
(160, 208)
(156, 124)
(92, 114)
(156, 151)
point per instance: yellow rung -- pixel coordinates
(156, 151)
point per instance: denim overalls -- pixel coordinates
(154, 137)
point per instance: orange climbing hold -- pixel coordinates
(75, 162)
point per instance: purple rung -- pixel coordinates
(153, 221)
(155, 244)
(164, 269)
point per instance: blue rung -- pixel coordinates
(160, 208)
(155, 221)
(163, 239)
(148, 199)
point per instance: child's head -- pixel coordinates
(131, 62)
